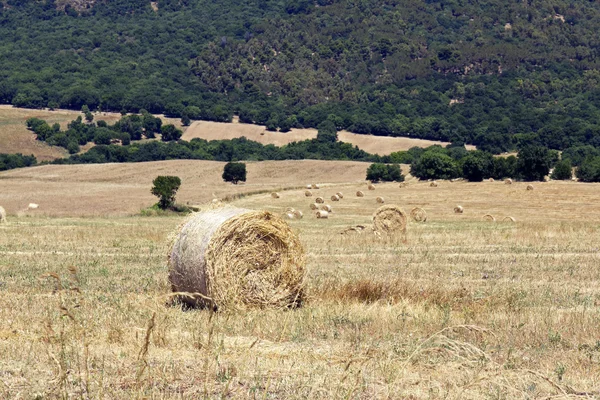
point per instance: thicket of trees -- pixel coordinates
(12, 161)
(378, 172)
(498, 74)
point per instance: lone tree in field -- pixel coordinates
(165, 188)
(234, 172)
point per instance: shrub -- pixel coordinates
(563, 171)
(533, 163)
(234, 172)
(165, 188)
(382, 172)
(589, 170)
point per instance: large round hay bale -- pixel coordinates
(326, 207)
(322, 214)
(509, 219)
(335, 197)
(33, 206)
(298, 214)
(389, 219)
(489, 217)
(508, 181)
(491, 180)
(360, 194)
(380, 200)
(275, 195)
(433, 184)
(237, 258)
(315, 186)
(418, 214)
(529, 187)
(2, 215)
(289, 215)
(308, 193)
(371, 186)
(458, 210)
(340, 195)
(314, 206)
(319, 200)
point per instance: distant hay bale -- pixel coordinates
(509, 219)
(529, 187)
(360, 194)
(298, 214)
(236, 258)
(418, 214)
(491, 180)
(319, 200)
(353, 229)
(433, 184)
(315, 186)
(308, 193)
(371, 186)
(309, 187)
(322, 214)
(380, 200)
(508, 181)
(389, 219)
(275, 195)
(33, 206)
(290, 209)
(340, 195)
(325, 207)
(489, 217)
(335, 197)
(403, 185)
(289, 215)
(458, 210)
(314, 206)
(2, 215)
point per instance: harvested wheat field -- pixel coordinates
(382, 145)
(455, 309)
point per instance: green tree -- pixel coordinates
(477, 165)
(170, 133)
(589, 170)
(533, 163)
(376, 172)
(185, 120)
(327, 132)
(165, 188)
(89, 117)
(434, 165)
(563, 171)
(234, 172)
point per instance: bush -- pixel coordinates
(563, 171)
(165, 188)
(589, 170)
(477, 166)
(170, 133)
(434, 165)
(384, 172)
(533, 163)
(234, 172)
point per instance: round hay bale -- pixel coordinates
(290, 209)
(298, 214)
(491, 180)
(322, 214)
(509, 219)
(326, 207)
(315, 186)
(371, 186)
(308, 193)
(314, 206)
(340, 195)
(309, 187)
(529, 187)
(489, 217)
(389, 219)
(403, 185)
(458, 210)
(319, 200)
(418, 214)
(335, 197)
(33, 206)
(237, 258)
(275, 195)
(508, 181)
(289, 215)
(2, 215)
(360, 194)
(433, 184)
(380, 200)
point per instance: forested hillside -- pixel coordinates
(499, 74)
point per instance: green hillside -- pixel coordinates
(498, 74)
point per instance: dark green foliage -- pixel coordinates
(435, 164)
(534, 163)
(327, 132)
(234, 172)
(589, 170)
(165, 188)
(12, 161)
(505, 167)
(185, 120)
(477, 166)
(563, 171)
(578, 154)
(384, 172)
(170, 133)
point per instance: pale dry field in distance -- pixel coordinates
(459, 309)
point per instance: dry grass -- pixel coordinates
(462, 310)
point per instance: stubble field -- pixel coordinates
(459, 308)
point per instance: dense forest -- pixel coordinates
(499, 74)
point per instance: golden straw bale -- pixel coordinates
(320, 200)
(371, 186)
(458, 210)
(509, 219)
(529, 187)
(489, 217)
(322, 214)
(289, 215)
(232, 258)
(389, 219)
(433, 184)
(335, 197)
(275, 195)
(309, 187)
(340, 195)
(298, 214)
(360, 194)
(315, 186)
(508, 181)
(380, 200)
(2, 215)
(325, 207)
(314, 206)
(308, 193)
(491, 180)
(418, 214)
(403, 185)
